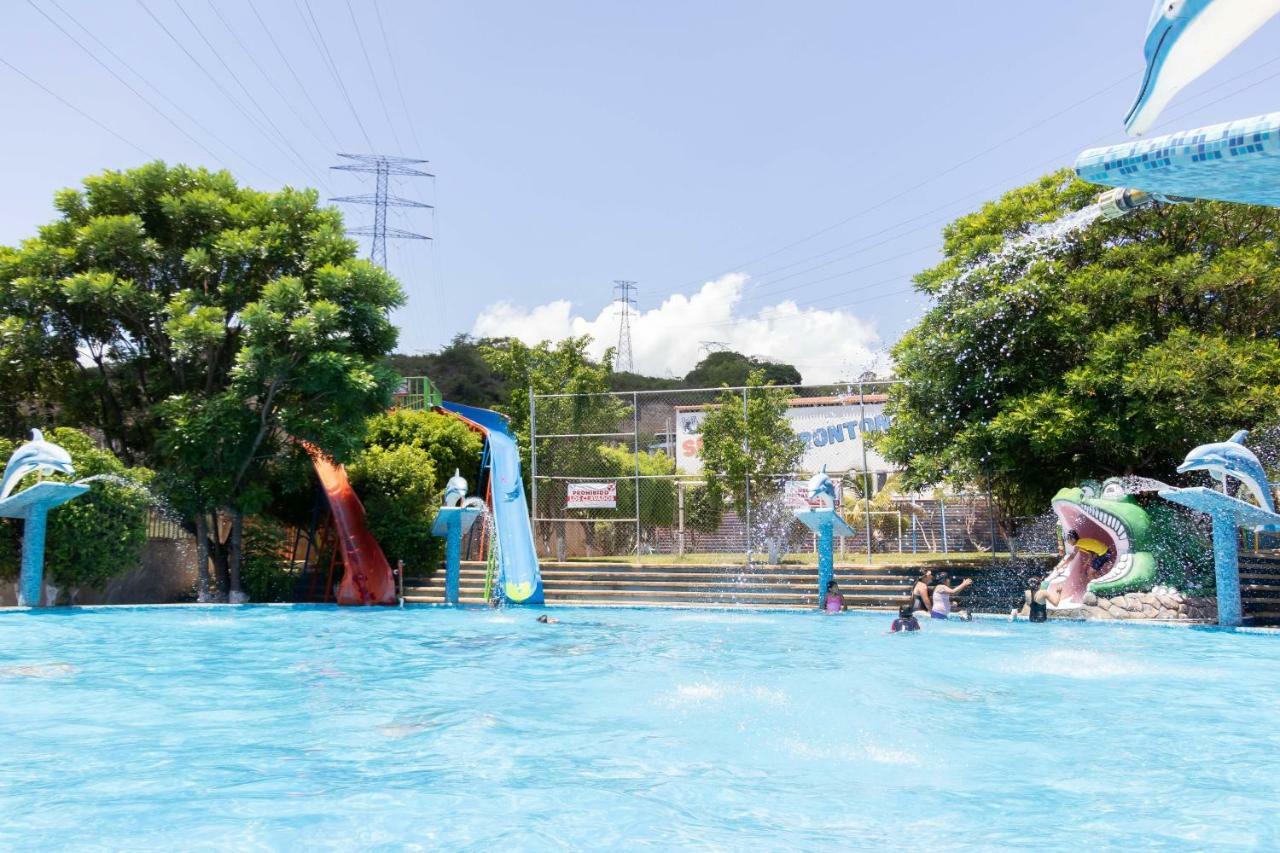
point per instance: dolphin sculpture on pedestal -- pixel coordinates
(1185, 38)
(455, 490)
(1231, 458)
(821, 486)
(36, 455)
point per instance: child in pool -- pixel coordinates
(835, 601)
(906, 620)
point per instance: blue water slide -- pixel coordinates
(520, 577)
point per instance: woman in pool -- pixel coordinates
(921, 603)
(835, 601)
(942, 593)
(1036, 601)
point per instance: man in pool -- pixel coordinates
(1097, 553)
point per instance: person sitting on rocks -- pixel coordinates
(1035, 602)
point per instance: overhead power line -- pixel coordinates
(327, 58)
(176, 106)
(270, 78)
(293, 73)
(355, 23)
(302, 161)
(395, 75)
(34, 82)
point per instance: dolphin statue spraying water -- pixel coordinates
(1231, 458)
(36, 455)
(1185, 38)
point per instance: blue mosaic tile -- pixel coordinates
(1237, 161)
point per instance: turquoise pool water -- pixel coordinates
(281, 728)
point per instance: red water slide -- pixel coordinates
(368, 578)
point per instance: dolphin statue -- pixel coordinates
(455, 490)
(36, 455)
(1185, 38)
(821, 486)
(1231, 458)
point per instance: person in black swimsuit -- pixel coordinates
(921, 601)
(1035, 602)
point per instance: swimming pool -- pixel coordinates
(280, 727)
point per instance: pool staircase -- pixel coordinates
(626, 585)
(1260, 588)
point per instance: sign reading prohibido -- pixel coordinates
(592, 496)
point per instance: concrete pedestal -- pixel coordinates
(1229, 515)
(32, 506)
(828, 525)
(450, 524)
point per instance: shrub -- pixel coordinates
(264, 570)
(448, 442)
(94, 537)
(398, 489)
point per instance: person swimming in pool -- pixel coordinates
(906, 621)
(1036, 601)
(547, 620)
(942, 593)
(834, 599)
(921, 602)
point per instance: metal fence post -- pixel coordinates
(746, 449)
(635, 423)
(942, 509)
(991, 516)
(866, 476)
(533, 464)
(680, 517)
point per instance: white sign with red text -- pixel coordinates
(592, 496)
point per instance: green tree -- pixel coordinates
(459, 370)
(399, 490)
(584, 409)
(1110, 352)
(400, 477)
(747, 453)
(94, 537)
(735, 370)
(450, 443)
(202, 326)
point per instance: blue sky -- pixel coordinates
(771, 149)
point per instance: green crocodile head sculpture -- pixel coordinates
(1105, 513)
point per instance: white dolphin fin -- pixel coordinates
(37, 435)
(1239, 437)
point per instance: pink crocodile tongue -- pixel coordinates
(1077, 580)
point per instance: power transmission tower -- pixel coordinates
(624, 300)
(709, 347)
(382, 167)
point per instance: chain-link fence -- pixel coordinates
(624, 475)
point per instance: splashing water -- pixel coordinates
(1039, 240)
(1137, 485)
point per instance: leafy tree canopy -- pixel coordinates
(1112, 352)
(459, 370)
(200, 325)
(735, 370)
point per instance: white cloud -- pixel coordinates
(825, 345)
